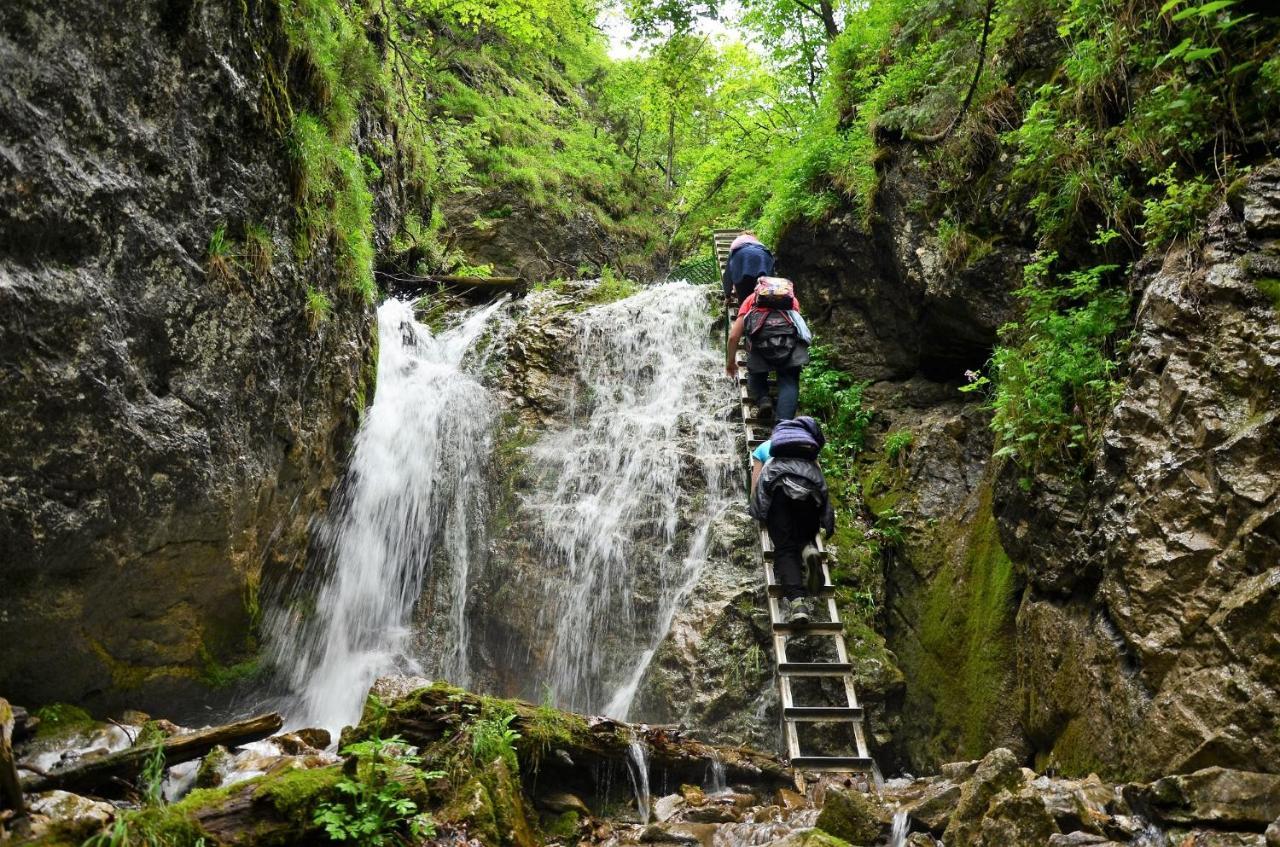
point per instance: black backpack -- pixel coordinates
(772, 334)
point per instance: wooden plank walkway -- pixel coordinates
(849, 712)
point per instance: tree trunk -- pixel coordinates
(127, 764)
(10, 786)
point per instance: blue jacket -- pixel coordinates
(746, 264)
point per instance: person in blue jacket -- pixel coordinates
(748, 261)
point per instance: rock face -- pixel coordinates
(1121, 619)
(1142, 601)
(1177, 644)
(171, 414)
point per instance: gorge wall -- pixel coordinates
(173, 413)
(1119, 616)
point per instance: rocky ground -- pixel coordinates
(574, 780)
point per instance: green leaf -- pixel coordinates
(1201, 53)
(1169, 4)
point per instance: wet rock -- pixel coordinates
(1215, 796)
(959, 771)
(72, 814)
(665, 808)
(714, 813)
(998, 771)
(1213, 838)
(679, 833)
(1015, 820)
(850, 816)
(562, 801)
(1273, 834)
(315, 737)
(213, 768)
(788, 799)
(693, 795)
(1077, 839)
(935, 805)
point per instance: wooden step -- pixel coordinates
(828, 590)
(834, 764)
(815, 668)
(811, 628)
(822, 713)
(766, 546)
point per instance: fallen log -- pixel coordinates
(570, 752)
(127, 764)
(10, 785)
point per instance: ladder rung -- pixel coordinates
(840, 764)
(822, 713)
(766, 546)
(811, 628)
(815, 668)
(828, 590)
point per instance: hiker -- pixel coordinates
(748, 261)
(789, 495)
(777, 340)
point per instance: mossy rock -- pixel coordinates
(561, 827)
(850, 816)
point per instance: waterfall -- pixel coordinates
(638, 769)
(413, 498)
(630, 492)
(901, 827)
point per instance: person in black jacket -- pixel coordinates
(789, 495)
(748, 261)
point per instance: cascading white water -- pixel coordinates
(638, 769)
(633, 489)
(901, 827)
(414, 495)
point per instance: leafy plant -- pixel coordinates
(897, 443)
(492, 738)
(319, 306)
(374, 807)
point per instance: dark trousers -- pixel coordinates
(788, 390)
(792, 525)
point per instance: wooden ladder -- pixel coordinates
(785, 670)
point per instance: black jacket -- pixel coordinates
(799, 475)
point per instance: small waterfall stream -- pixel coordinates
(413, 494)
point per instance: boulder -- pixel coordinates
(560, 802)
(72, 814)
(935, 806)
(998, 771)
(850, 816)
(1273, 834)
(1216, 796)
(1077, 839)
(679, 833)
(1016, 820)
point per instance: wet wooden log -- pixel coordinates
(127, 764)
(10, 785)
(575, 752)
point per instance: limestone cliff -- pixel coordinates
(171, 412)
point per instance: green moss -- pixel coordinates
(1270, 287)
(966, 636)
(562, 826)
(58, 718)
(295, 794)
(219, 675)
(849, 816)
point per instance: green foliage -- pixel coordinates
(58, 717)
(151, 777)
(319, 306)
(610, 288)
(1179, 211)
(1054, 374)
(220, 257)
(897, 444)
(493, 738)
(374, 807)
(833, 397)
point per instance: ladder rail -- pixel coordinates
(785, 670)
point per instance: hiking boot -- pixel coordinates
(799, 611)
(813, 569)
(764, 408)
